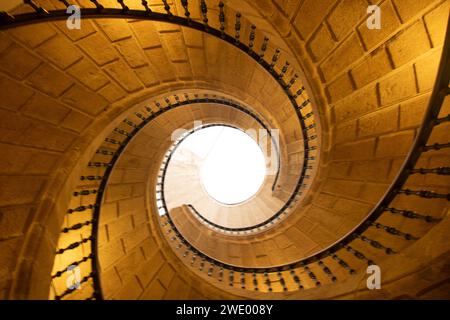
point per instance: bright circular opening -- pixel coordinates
(232, 165)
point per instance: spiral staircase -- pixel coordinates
(115, 203)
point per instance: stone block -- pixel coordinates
(435, 22)
(13, 94)
(409, 44)
(85, 100)
(395, 144)
(372, 67)
(345, 16)
(339, 88)
(320, 43)
(359, 150)
(91, 44)
(45, 108)
(124, 76)
(18, 62)
(115, 29)
(378, 122)
(412, 111)
(132, 53)
(49, 80)
(309, 16)
(342, 58)
(407, 9)
(426, 70)
(88, 74)
(60, 51)
(398, 86)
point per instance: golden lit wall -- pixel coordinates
(64, 91)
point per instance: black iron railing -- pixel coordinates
(311, 271)
(338, 249)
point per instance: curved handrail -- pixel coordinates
(440, 91)
(41, 15)
(419, 146)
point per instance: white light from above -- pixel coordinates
(232, 166)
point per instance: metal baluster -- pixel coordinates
(222, 19)
(76, 263)
(76, 226)
(252, 37)
(275, 58)
(327, 271)
(167, 7)
(113, 141)
(130, 123)
(98, 164)
(304, 104)
(237, 27)
(359, 255)
(255, 282)
(291, 82)
(311, 126)
(393, 231)
(81, 208)
(122, 132)
(64, 2)
(443, 119)
(282, 281)
(147, 8)
(123, 5)
(308, 115)
(177, 100)
(242, 280)
(97, 5)
(70, 290)
(140, 116)
(187, 14)
(268, 282)
(84, 192)
(436, 146)
(296, 279)
(221, 274)
(298, 93)
(425, 194)
(284, 70)
(376, 244)
(412, 215)
(149, 110)
(231, 278)
(73, 245)
(91, 178)
(343, 264)
(204, 10)
(168, 103)
(35, 7)
(438, 171)
(312, 276)
(210, 270)
(263, 48)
